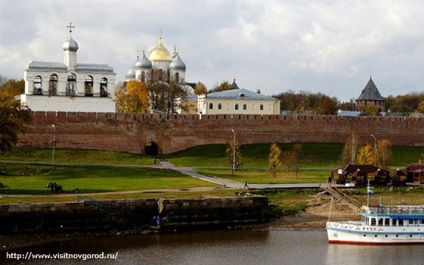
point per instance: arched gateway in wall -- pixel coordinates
(151, 149)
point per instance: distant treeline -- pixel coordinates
(317, 103)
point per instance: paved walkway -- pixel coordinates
(163, 163)
(234, 184)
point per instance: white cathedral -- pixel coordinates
(69, 86)
(160, 60)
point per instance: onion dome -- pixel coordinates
(130, 73)
(160, 53)
(144, 63)
(177, 63)
(70, 45)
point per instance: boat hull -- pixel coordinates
(351, 233)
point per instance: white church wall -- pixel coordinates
(69, 104)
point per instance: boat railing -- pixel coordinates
(400, 209)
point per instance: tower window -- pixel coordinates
(37, 88)
(103, 87)
(88, 86)
(53, 85)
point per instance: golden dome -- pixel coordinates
(160, 53)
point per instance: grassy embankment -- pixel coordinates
(318, 159)
(31, 179)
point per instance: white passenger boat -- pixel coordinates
(381, 225)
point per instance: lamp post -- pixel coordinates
(234, 151)
(375, 150)
(53, 142)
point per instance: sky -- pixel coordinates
(329, 47)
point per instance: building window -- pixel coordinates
(37, 85)
(210, 105)
(143, 77)
(53, 85)
(244, 106)
(219, 106)
(71, 85)
(177, 77)
(88, 86)
(236, 106)
(103, 87)
(261, 107)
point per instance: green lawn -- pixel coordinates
(77, 156)
(94, 179)
(315, 155)
(258, 176)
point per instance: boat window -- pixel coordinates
(373, 222)
(400, 222)
(397, 235)
(387, 221)
(380, 221)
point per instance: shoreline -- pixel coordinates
(314, 218)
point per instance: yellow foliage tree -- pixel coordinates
(366, 155)
(384, 153)
(200, 89)
(133, 98)
(274, 158)
(349, 151)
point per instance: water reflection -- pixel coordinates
(232, 247)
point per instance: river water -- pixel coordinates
(224, 247)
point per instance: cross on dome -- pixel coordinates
(70, 27)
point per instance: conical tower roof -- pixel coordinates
(370, 92)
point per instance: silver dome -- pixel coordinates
(70, 45)
(130, 73)
(145, 63)
(177, 63)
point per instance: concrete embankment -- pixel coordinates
(88, 214)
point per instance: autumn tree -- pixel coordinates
(366, 155)
(327, 105)
(384, 153)
(200, 89)
(163, 93)
(404, 104)
(11, 86)
(13, 118)
(347, 105)
(370, 110)
(306, 102)
(292, 158)
(274, 158)
(233, 155)
(348, 155)
(132, 98)
(224, 85)
(420, 108)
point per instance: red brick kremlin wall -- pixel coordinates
(132, 132)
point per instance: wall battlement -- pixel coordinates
(131, 132)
